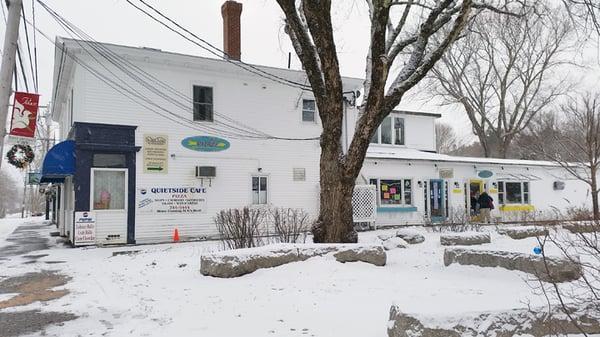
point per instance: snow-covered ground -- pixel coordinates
(10, 223)
(159, 291)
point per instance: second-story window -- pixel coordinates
(203, 103)
(391, 131)
(309, 110)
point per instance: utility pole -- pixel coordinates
(8, 63)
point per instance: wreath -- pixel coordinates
(20, 155)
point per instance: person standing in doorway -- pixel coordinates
(486, 205)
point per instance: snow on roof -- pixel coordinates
(412, 154)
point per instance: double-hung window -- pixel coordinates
(513, 192)
(309, 110)
(203, 104)
(259, 190)
(391, 131)
(394, 192)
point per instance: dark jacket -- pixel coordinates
(485, 201)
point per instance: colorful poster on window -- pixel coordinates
(156, 153)
(172, 200)
(24, 115)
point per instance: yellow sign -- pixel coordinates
(156, 153)
(493, 190)
(457, 191)
(517, 208)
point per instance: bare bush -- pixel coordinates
(584, 249)
(290, 223)
(240, 228)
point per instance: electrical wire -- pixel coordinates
(126, 67)
(35, 56)
(28, 47)
(214, 50)
(22, 68)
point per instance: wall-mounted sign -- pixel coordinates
(172, 200)
(24, 115)
(457, 190)
(85, 229)
(205, 144)
(34, 178)
(485, 174)
(156, 153)
(446, 173)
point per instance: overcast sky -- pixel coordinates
(263, 39)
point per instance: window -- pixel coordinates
(399, 131)
(108, 160)
(394, 192)
(109, 189)
(391, 131)
(203, 103)
(309, 110)
(513, 192)
(259, 190)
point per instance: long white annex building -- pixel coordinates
(155, 141)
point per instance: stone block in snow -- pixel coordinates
(410, 235)
(464, 239)
(394, 242)
(559, 269)
(238, 262)
(582, 227)
(523, 232)
(537, 322)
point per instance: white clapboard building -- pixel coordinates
(156, 141)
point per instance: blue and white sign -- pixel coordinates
(205, 144)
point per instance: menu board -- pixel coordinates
(156, 156)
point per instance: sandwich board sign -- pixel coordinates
(84, 232)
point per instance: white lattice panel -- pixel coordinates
(364, 203)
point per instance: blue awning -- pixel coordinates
(59, 162)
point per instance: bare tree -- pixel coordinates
(501, 73)
(8, 193)
(584, 12)
(446, 140)
(575, 145)
(404, 41)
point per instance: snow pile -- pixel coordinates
(552, 269)
(536, 322)
(235, 263)
(465, 239)
(522, 232)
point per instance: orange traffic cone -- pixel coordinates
(176, 235)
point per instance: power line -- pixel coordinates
(216, 51)
(126, 67)
(22, 68)
(28, 47)
(35, 56)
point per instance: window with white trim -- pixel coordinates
(259, 190)
(393, 192)
(391, 131)
(309, 110)
(203, 103)
(513, 192)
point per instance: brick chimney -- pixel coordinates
(231, 12)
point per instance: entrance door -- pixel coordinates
(108, 198)
(475, 189)
(437, 200)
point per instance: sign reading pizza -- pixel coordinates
(24, 115)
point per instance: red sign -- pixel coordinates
(24, 115)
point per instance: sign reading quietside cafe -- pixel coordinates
(156, 153)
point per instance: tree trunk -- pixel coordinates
(335, 223)
(594, 186)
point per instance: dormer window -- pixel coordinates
(390, 132)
